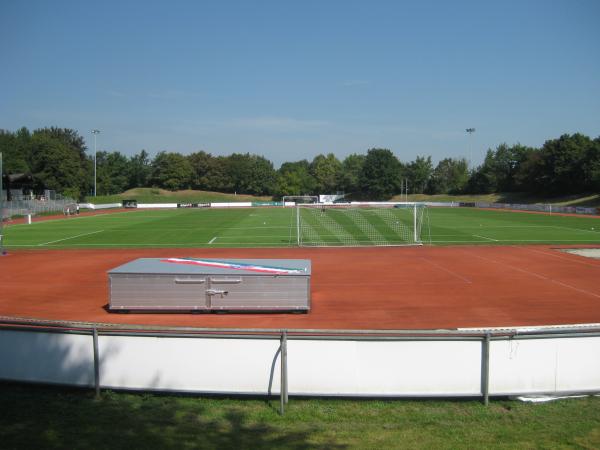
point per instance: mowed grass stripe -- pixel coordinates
(242, 227)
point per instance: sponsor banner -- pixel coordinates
(267, 204)
(193, 205)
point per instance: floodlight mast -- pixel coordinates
(470, 131)
(95, 133)
(1, 207)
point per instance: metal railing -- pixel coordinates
(485, 337)
(25, 207)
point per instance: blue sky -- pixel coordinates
(290, 80)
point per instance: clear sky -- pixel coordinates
(292, 79)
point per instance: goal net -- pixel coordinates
(293, 200)
(352, 225)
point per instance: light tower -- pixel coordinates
(95, 133)
(470, 131)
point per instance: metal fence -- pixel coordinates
(25, 206)
(538, 207)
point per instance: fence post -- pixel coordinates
(485, 370)
(96, 363)
(283, 364)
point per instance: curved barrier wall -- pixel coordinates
(361, 363)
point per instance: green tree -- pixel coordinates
(171, 171)
(251, 174)
(327, 171)
(111, 173)
(55, 165)
(16, 151)
(352, 167)
(450, 176)
(419, 172)
(563, 164)
(380, 177)
(294, 178)
(139, 170)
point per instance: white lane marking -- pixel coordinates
(466, 280)
(537, 275)
(212, 240)
(71, 237)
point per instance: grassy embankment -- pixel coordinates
(154, 195)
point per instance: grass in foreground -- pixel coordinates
(46, 417)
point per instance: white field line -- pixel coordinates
(212, 240)
(518, 240)
(71, 237)
(534, 274)
(576, 229)
(485, 237)
(223, 240)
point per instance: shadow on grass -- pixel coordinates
(47, 417)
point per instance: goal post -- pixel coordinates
(356, 225)
(293, 200)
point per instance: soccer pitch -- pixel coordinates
(277, 227)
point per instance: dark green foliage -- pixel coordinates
(380, 177)
(171, 171)
(419, 173)
(352, 167)
(251, 174)
(57, 159)
(294, 178)
(139, 170)
(327, 172)
(112, 170)
(450, 176)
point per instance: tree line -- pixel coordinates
(57, 159)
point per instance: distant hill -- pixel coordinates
(509, 197)
(155, 195)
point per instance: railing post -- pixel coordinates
(485, 370)
(96, 363)
(283, 363)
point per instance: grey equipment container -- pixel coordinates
(194, 284)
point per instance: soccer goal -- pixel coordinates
(364, 225)
(293, 200)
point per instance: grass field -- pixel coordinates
(264, 227)
(37, 417)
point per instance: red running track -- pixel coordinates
(352, 288)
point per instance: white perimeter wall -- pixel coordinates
(315, 367)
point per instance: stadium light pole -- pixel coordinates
(95, 133)
(470, 131)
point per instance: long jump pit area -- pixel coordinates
(393, 321)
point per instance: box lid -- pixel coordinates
(206, 266)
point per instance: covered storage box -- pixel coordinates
(193, 284)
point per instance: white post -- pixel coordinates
(298, 225)
(415, 222)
